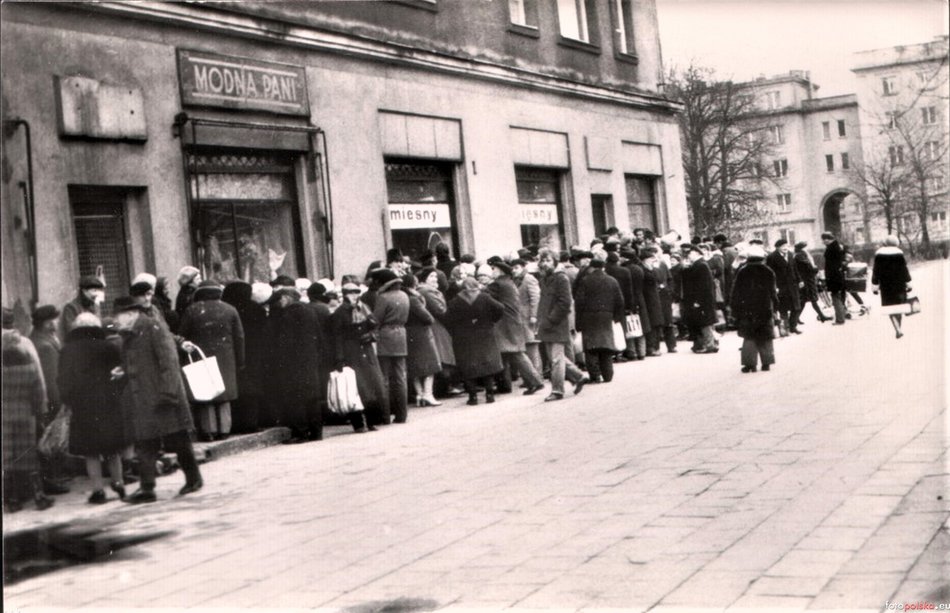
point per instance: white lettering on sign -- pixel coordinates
(537, 214)
(414, 216)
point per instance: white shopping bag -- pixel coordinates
(620, 340)
(204, 377)
(343, 397)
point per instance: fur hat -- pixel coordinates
(755, 252)
(91, 282)
(283, 281)
(483, 271)
(44, 314)
(597, 263)
(502, 266)
(261, 292)
(142, 283)
(187, 274)
(386, 277)
(126, 303)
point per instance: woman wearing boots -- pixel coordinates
(471, 319)
(890, 278)
(87, 386)
(24, 402)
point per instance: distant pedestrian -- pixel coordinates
(599, 304)
(554, 330)
(651, 296)
(392, 313)
(48, 348)
(422, 354)
(510, 332)
(835, 275)
(891, 277)
(529, 295)
(699, 301)
(807, 273)
(471, 319)
(754, 305)
(786, 279)
(353, 333)
(247, 410)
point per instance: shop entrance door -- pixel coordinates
(99, 221)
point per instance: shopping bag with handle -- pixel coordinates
(620, 339)
(204, 377)
(634, 327)
(914, 303)
(55, 439)
(343, 397)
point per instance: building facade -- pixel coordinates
(261, 138)
(903, 93)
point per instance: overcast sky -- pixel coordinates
(742, 39)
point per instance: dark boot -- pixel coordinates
(41, 500)
(472, 399)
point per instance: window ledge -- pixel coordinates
(524, 30)
(428, 5)
(579, 45)
(629, 58)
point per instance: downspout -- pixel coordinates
(30, 209)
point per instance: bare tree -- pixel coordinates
(725, 139)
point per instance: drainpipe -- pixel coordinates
(15, 123)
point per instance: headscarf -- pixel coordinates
(470, 290)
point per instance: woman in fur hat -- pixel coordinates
(890, 278)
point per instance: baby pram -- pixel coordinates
(855, 283)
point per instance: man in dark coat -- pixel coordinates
(807, 274)
(215, 327)
(624, 280)
(154, 401)
(471, 317)
(786, 279)
(599, 303)
(510, 333)
(637, 347)
(246, 409)
(651, 296)
(554, 327)
(444, 261)
(391, 312)
(699, 302)
(92, 291)
(754, 304)
(664, 284)
(834, 275)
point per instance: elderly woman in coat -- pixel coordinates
(154, 403)
(391, 311)
(699, 301)
(471, 319)
(599, 303)
(890, 278)
(215, 327)
(352, 332)
(510, 332)
(422, 354)
(754, 306)
(87, 385)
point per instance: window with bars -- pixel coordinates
(101, 240)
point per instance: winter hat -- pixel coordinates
(126, 303)
(694, 247)
(483, 271)
(613, 257)
(287, 291)
(386, 277)
(467, 269)
(261, 292)
(800, 245)
(393, 255)
(316, 291)
(187, 274)
(43, 314)
(142, 283)
(502, 266)
(780, 242)
(670, 238)
(87, 320)
(350, 288)
(209, 289)
(755, 252)
(597, 263)
(282, 281)
(91, 282)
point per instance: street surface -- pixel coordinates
(683, 484)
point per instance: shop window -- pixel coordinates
(99, 222)
(602, 207)
(641, 201)
(421, 205)
(572, 18)
(247, 219)
(623, 15)
(539, 207)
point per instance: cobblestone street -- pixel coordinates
(684, 483)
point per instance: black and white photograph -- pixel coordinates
(354, 306)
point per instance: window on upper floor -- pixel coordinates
(781, 168)
(937, 184)
(523, 13)
(931, 150)
(889, 86)
(830, 163)
(826, 130)
(623, 27)
(773, 100)
(572, 19)
(845, 161)
(778, 134)
(892, 117)
(896, 153)
(842, 129)
(784, 202)
(929, 114)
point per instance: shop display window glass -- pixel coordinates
(421, 205)
(539, 207)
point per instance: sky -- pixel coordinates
(743, 39)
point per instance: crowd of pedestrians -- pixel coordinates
(412, 331)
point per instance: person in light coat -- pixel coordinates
(554, 328)
(529, 295)
(391, 311)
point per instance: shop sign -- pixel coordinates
(208, 79)
(414, 216)
(537, 214)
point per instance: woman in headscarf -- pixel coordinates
(422, 355)
(352, 328)
(431, 289)
(471, 319)
(87, 385)
(890, 278)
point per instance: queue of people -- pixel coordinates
(411, 332)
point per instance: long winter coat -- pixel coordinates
(510, 329)
(754, 301)
(154, 402)
(834, 267)
(353, 347)
(699, 295)
(86, 385)
(216, 328)
(599, 304)
(256, 339)
(554, 308)
(651, 296)
(24, 400)
(422, 353)
(664, 284)
(807, 273)
(473, 334)
(622, 275)
(391, 311)
(48, 348)
(786, 279)
(529, 297)
(639, 300)
(298, 343)
(72, 309)
(891, 275)
(436, 305)
(717, 266)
